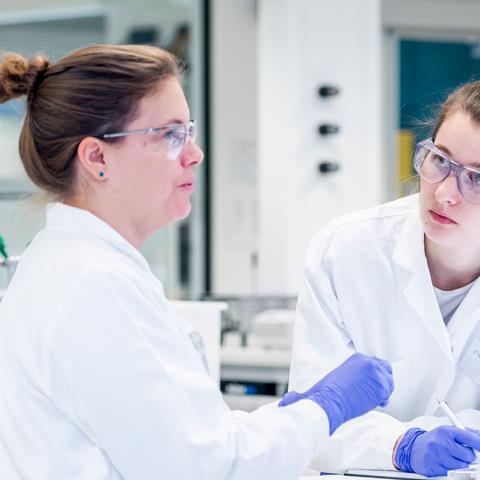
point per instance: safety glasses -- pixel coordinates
(434, 166)
(171, 137)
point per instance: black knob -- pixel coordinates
(328, 90)
(328, 129)
(328, 167)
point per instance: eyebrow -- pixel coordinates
(167, 123)
(444, 149)
(175, 121)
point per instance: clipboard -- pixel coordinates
(390, 474)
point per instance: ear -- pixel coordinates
(90, 153)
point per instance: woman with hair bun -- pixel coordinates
(98, 377)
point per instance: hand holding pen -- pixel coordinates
(437, 451)
(452, 417)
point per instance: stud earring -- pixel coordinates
(101, 174)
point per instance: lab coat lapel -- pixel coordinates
(410, 255)
(465, 321)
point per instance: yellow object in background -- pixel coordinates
(405, 150)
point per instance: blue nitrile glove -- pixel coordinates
(359, 384)
(435, 452)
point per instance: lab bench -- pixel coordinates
(253, 376)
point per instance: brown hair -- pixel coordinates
(89, 92)
(465, 99)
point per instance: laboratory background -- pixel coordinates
(307, 109)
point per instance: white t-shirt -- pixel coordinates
(449, 300)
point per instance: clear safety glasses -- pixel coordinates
(434, 166)
(172, 137)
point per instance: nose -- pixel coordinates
(192, 154)
(447, 191)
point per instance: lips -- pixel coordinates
(187, 185)
(441, 218)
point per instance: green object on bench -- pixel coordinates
(3, 250)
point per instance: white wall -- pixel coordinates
(302, 45)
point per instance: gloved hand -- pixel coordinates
(435, 452)
(359, 384)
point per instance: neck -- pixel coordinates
(451, 267)
(118, 222)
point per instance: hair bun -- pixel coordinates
(19, 76)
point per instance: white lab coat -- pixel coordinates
(367, 288)
(99, 379)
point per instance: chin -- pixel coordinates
(184, 212)
(441, 236)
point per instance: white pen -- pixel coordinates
(455, 421)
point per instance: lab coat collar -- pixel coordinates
(84, 222)
(410, 255)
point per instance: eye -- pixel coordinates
(473, 178)
(175, 136)
(438, 160)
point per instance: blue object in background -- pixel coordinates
(429, 71)
(13, 108)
